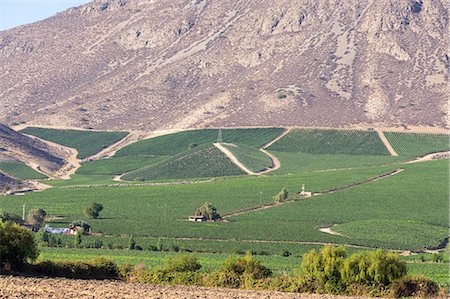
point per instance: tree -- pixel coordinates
(282, 195)
(16, 246)
(208, 211)
(131, 243)
(93, 211)
(36, 217)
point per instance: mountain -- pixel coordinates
(31, 151)
(147, 64)
(8, 183)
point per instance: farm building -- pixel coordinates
(61, 231)
(197, 218)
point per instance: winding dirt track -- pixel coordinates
(276, 164)
(60, 288)
(234, 159)
(276, 204)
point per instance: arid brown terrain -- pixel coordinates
(42, 156)
(16, 287)
(168, 64)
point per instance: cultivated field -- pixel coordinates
(363, 198)
(20, 170)
(15, 287)
(252, 158)
(418, 144)
(202, 161)
(87, 143)
(338, 142)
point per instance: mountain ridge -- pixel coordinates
(203, 63)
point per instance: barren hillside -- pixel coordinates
(164, 64)
(33, 152)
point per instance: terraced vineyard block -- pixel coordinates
(410, 144)
(340, 142)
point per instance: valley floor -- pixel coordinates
(20, 287)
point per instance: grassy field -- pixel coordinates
(252, 158)
(413, 233)
(173, 144)
(403, 197)
(20, 170)
(160, 210)
(408, 144)
(202, 161)
(337, 142)
(118, 165)
(210, 262)
(87, 143)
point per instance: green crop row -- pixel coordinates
(87, 143)
(20, 170)
(408, 144)
(337, 142)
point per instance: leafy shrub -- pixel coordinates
(282, 195)
(207, 210)
(238, 272)
(93, 210)
(325, 268)
(16, 246)
(182, 263)
(374, 269)
(98, 268)
(36, 216)
(414, 286)
(160, 276)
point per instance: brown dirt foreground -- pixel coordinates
(20, 287)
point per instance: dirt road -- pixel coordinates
(58, 288)
(386, 143)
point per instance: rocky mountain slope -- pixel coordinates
(8, 183)
(33, 152)
(164, 64)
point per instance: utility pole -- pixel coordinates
(23, 212)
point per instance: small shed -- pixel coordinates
(197, 218)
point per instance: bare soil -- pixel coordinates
(19, 287)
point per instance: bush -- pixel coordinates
(160, 276)
(209, 211)
(282, 195)
(98, 268)
(373, 269)
(414, 286)
(36, 217)
(93, 211)
(131, 243)
(182, 263)
(325, 268)
(238, 272)
(16, 246)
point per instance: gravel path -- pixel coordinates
(56, 288)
